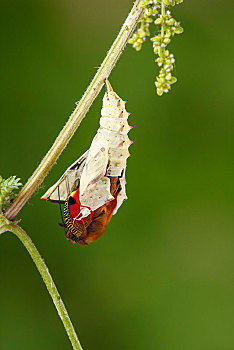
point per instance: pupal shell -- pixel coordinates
(107, 155)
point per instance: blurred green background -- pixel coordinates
(162, 275)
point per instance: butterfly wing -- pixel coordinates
(59, 192)
(94, 185)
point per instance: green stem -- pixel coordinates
(44, 272)
(79, 113)
(163, 14)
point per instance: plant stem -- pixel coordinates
(163, 14)
(44, 272)
(79, 113)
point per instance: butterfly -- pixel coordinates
(93, 187)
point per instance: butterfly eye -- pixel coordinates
(71, 200)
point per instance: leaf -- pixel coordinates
(7, 187)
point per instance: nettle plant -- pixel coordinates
(144, 12)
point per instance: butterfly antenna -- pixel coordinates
(61, 213)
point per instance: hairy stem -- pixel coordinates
(44, 272)
(79, 113)
(163, 14)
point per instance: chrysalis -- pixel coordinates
(93, 188)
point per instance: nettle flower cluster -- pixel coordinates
(169, 27)
(151, 10)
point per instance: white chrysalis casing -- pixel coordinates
(105, 158)
(107, 155)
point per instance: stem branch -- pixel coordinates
(163, 14)
(79, 113)
(44, 272)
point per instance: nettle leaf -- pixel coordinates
(7, 187)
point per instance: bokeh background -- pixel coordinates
(162, 276)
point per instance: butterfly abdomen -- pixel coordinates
(69, 221)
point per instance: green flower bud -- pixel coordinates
(159, 91)
(159, 60)
(158, 20)
(179, 30)
(148, 20)
(166, 41)
(171, 22)
(173, 80)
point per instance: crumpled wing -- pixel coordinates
(60, 191)
(94, 185)
(122, 196)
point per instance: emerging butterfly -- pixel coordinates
(93, 188)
